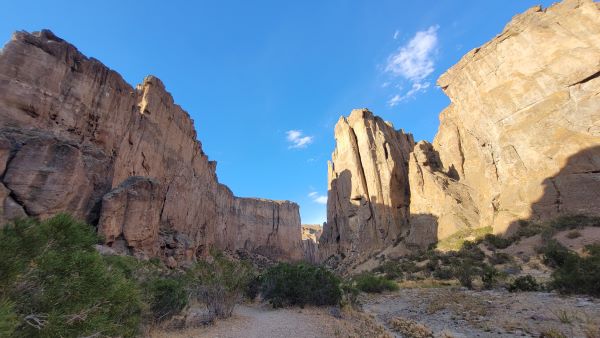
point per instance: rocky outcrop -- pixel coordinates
(310, 242)
(523, 128)
(520, 140)
(368, 198)
(75, 137)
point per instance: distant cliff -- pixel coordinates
(520, 140)
(75, 137)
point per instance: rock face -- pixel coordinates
(310, 242)
(75, 137)
(368, 198)
(520, 140)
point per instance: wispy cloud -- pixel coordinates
(321, 199)
(396, 34)
(414, 62)
(298, 139)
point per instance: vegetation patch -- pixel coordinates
(54, 283)
(300, 284)
(371, 283)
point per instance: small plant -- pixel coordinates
(8, 319)
(410, 328)
(573, 234)
(489, 276)
(443, 273)
(552, 333)
(564, 316)
(555, 254)
(524, 283)
(391, 269)
(370, 283)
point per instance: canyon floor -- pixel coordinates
(419, 312)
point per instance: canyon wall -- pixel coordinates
(75, 137)
(520, 140)
(368, 198)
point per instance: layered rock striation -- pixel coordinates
(520, 140)
(75, 137)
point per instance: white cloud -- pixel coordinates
(394, 100)
(414, 62)
(416, 88)
(298, 139)
(396, 34)
(321, 199)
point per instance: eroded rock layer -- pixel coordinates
(520, 140)
(75, 137)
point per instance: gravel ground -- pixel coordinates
(261, 321)
(454, 312)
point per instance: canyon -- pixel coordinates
(520, 140)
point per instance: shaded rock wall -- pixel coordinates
(75, 137)
(520, 140)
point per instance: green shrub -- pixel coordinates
(8, 319)
(498, 242)
(443, 273)
(489, 276)
(555, 254)
(574, 222)
(60, 286)
(391, 269)
(370, 283)
(299, 284)
(220, 284)
(499, 258)
(573, 234)
(524, 283)
(167, 297)
(578, 274)
(465, 270)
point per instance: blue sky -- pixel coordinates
(265, 81)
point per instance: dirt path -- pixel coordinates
(261, 321)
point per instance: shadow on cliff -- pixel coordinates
(574, 189)
(357, 225)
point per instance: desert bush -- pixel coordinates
(60, 286)
(391, 269)
(489, 276)
(577, 274)
(499, 258)
(465, 270)
(554, 253)
(524, 283)
(167, 297)
(498, 242)
(370, 283)
(220, 283)
(573, 234)
(443, 273)
(300, 284)
(574, 222)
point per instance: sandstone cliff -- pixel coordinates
(75, 137)
(520, 140)
(368, 198)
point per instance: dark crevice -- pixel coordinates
(587, 79)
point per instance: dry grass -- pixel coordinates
(410, 328)
(428, 283)
(461, 304)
